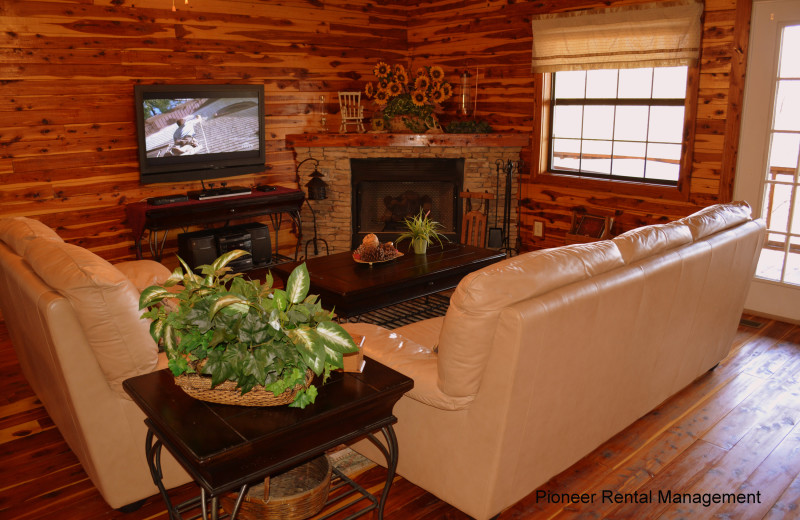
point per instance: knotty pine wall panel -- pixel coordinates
(67, 69)
(495, 36)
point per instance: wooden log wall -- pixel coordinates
(68, 152)
(494, 36)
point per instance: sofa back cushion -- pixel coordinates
(646, 241)
(716, 218)
(17, 233)
(469, 326)
(106, 303)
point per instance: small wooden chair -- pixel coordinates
(351, 110)
(473, 224)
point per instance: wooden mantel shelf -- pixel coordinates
(380, 139)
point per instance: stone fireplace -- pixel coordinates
(343, 219)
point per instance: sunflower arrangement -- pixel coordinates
(398, 94)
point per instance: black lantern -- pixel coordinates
(317, 190)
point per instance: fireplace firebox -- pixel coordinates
(386, 191)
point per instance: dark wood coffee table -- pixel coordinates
(352, 288)
(227, 448)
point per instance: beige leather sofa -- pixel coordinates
(74, 322)
(543, 356)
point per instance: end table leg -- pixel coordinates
(390, 451)
(153, 452)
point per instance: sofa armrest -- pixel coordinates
(144, 273)
(410, 359)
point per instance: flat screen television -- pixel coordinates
(199, 132)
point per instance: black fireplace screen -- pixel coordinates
(386, 191)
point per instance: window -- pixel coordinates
(618, 124)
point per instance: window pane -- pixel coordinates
(770, 263)
(663, 161)
(785, 148)
(601, 83)
(570, 84)
(776, 206)
(566, 154)
(631, 123)
(596, 157)
(790, 65)
(635, 83)
(669, 82)
(567, 121)
(666, 124)
(628, 159)
(787, 105)
(792, 272)
(598, 122)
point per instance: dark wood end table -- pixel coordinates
(352, 288)
(227, 448)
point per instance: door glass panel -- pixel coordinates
(780, 258)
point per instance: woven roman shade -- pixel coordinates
(657, 34)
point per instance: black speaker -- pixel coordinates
(198, 247)
(260, 243)
(235, 237)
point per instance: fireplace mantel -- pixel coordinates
(387, 140)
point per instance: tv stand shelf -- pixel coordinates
(162, 218)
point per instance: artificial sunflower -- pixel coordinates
(422, 83)
(399, 70)
(422, 71)
(395, 88)
(437, 96)
(369, 90)
(419, 98)
(401, 77)
(437, 74)
(381, 97)
(447, 90)
(382, 69)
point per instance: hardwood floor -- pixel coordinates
(734, 430)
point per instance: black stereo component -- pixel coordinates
(203, 247)
(198, 247)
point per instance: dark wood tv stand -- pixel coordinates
(162, 218)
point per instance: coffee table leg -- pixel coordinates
(390, 451)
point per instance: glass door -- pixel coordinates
(767, 172)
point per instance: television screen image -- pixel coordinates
(200, 126)
(196, 132)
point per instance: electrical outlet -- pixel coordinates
(538, 229)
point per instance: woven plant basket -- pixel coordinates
(299, 493)
(199, 387)
(398, 124)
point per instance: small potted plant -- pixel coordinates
(422, 231)
(235, 341)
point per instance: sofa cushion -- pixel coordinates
(17, 232)
(469, 325)
(410, 359)
(106, 304)
(646, 241)
(715, 218)
(144, 273)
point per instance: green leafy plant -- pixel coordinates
(468, 127)
(422, 228)
(232, 329)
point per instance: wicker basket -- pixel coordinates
(199, 387)
(299, 493)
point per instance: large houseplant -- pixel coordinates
(422, 231)
(230, 329)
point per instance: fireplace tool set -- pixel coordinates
(498, 237)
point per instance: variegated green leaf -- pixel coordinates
(335, 337)
(157, 330)
(152, 295)
(298, 284)
(189, 274)
(310, 346)
(224, 301)
(227, 258)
